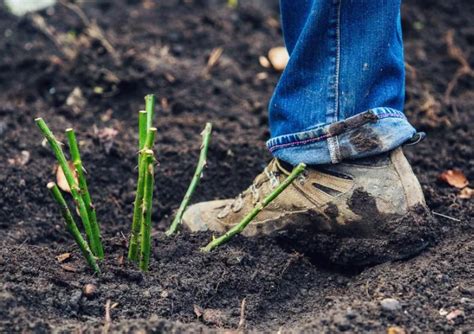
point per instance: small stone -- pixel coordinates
(89, 290)
(390, 304)
(146, 294)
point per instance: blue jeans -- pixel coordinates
(341, 95)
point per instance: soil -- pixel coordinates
(163, 48)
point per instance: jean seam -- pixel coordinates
(338, 58)
(333, 144)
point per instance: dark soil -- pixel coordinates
(305, 285)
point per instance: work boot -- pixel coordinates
(348, 197)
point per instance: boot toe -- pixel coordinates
(202, 217)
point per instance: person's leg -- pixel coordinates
(338, 108)
(341, 94)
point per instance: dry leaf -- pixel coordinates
(106, 137)
(455, 314)
(61, 178)
(76, 100)
(264, 62)
(21, 159)
(455, 178)
(278, 57)
(466, 193)
(63, 257)
(216, 53)
(69, 268)
(395, 330)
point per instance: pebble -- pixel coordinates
(390, 304)
(89, 290)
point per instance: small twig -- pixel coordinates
(445, 216)
(72, 227)
(145, 225)
(206, 137)
(93, 30)
(40, 23)
(256, 210)
(465, 69)
(107, 318)
(133, 253)
(84, 191)
(241, 326)
(75, 191)
(214, 57)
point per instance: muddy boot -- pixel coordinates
(346, 198)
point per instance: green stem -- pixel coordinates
(134, 237)
(206, 136)
(259, 207)
(142, 128)
(58, 152)
(150, 109)
(145, 226)
(72, 227)
(96, 245)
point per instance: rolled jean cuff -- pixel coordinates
(369, 133)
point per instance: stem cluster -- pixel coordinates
(140, 238)
(80, 194)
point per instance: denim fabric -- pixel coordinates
(341, 94)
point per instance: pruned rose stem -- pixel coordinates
(133, 253)
(206, 136)
(72, 227)
(150, 109)
(252, 214)
(145, 225)
(75, 192)
(84, 191)
(142, 129)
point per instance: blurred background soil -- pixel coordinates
(89, 67)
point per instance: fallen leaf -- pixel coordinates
(69, 268)
(216, 53)
(278, 57)
(454, 314)
(395, 330)
(21, 159)
(76, 100)
(264, 62)
(107, 137)
(63, 257)
(61, 178)
(455, 178)
(466, 193)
